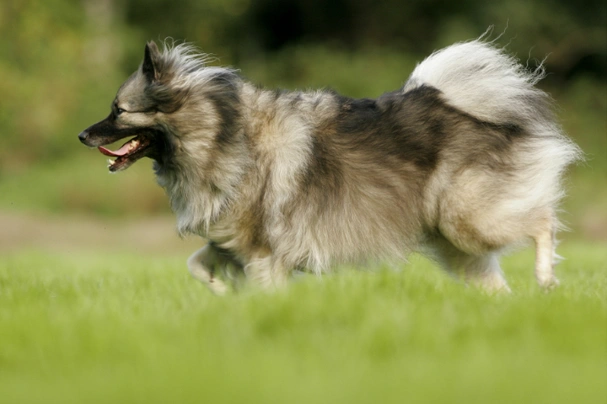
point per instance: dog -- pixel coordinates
(462, 163)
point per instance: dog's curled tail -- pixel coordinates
(483, 81)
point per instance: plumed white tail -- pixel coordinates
(483, 81)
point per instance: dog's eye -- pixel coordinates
(119, 111)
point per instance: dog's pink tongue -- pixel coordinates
(120, 152)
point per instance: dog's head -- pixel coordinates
(171, 95)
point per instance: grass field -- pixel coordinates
(120, 327)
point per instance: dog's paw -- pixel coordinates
(217, 286)
(548, 283)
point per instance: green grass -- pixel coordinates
(94, 327)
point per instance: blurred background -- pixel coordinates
(61, 62)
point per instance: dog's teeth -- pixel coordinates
(111, 162)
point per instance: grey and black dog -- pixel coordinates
(461, 163)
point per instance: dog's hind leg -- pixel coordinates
(485, 272)
(482, 271)
(208, 263)
(545, 244)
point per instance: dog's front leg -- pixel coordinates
(267, 272)
(209, 262)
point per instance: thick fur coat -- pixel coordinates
(461, 163)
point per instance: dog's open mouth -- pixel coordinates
(136, 148)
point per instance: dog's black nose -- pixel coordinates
(82, 136)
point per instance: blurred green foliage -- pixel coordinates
(61, 62)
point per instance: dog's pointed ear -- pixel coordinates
(150, 64)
